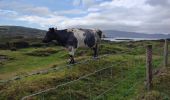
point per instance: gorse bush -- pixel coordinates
(43, 52)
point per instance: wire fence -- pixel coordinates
(51, 69)
(92, 83)
(66, 83)
(113, 81)
(104, 77)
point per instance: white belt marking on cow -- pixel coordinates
(79, 34)
(71, 50)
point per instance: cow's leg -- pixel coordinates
(95, 49)
(71, 53)
(72, 59)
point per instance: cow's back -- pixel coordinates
(85, 37)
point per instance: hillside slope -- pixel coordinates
(13, 31)
(124, 34)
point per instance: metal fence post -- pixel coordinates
(166, 53)
(148, 67)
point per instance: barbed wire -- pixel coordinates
(73, 82)
(72, 65)
(126, 93)
(80, 79)
(97, 97)
(51, 69)
(66, 83)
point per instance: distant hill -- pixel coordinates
(13, 31)
(114, 34)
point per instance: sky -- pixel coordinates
(146, 16)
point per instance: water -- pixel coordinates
(129, 39)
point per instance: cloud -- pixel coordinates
(37, 10)
(77, 2)
(25, 8)
(158, 2)
(129, 15)
(8, 14)
(126, 15)
(43, 21)
(87, 3)
(149, 16)
(71, 12)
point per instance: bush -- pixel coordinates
(21, 44)
(37, 45)
(3, 46)
(43, 52)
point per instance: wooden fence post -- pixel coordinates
(148, 67)
(166, 53)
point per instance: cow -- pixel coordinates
(74, 38)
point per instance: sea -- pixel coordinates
(122, 39)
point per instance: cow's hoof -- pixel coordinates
(72, 62)
(95, 57)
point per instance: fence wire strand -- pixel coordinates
(51, 69)
(158, 60)
(66, 83)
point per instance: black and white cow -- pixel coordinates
(75, 38)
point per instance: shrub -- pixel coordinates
(43, 52)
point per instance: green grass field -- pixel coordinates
(124, 79)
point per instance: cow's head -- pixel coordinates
(50, 35)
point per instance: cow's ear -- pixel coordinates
(52, 29)
(49, 29)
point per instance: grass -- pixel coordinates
(24, 63)
(125, 79)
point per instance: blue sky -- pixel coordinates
(148, 16)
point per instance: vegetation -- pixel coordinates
(124, 79)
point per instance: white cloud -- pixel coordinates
(86, 3)
(43, 21)
(25, 8)
(128, 15)
(8, 13)
(93, 9)
(77, 2)
(71, 12)
(37, 10)
(159, 2)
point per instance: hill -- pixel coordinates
(20, 37)
(124, 34)
(14, 31)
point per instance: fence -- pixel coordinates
(47, 70)
(123, 80)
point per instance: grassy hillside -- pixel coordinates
(20, 37)
(14, 31)
(124, 34)
(35, 69)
